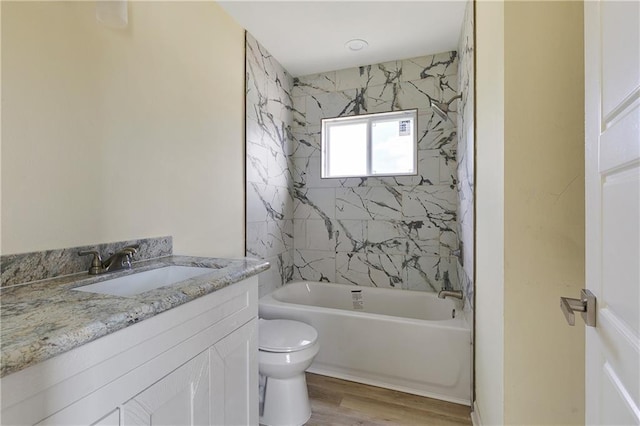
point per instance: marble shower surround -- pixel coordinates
(269, 232)
(395, 232)
(465, 155)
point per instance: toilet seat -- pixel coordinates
(281, 336)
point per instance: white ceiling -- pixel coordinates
(308, 37)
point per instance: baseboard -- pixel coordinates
(475, 415)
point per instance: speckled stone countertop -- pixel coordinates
(43, 319)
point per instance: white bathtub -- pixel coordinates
(404, 340)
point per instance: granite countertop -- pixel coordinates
(42, 319)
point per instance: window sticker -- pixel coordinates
(405, 128)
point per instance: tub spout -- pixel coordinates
(450, 293)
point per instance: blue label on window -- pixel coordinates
(405, 128)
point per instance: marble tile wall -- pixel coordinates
(396, 232)
(465, 156)
(269, 215)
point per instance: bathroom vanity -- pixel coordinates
(182, 354)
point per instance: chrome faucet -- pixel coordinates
(450, 293)
(116, 262)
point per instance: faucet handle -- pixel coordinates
(132, 249)
(127, 254)
(97, 260)
(96, 263)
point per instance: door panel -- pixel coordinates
(616, 404)
(614, 153)
(620, 353)
(612, 176)
(620, 52)
(621, 248)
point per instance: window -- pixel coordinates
(382, 144)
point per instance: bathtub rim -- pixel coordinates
(461, 322)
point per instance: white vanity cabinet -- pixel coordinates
(212, 388)
(195, 364)
(181, 398)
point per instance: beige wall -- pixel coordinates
(543, 229)
(117, 134)
(544, 211)
(489, 290)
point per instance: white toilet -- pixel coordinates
(287, 349)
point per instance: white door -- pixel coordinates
(612, 108)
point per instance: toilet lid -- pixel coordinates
(285, 335)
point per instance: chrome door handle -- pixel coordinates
(586, 305)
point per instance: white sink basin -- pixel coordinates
(140, 282)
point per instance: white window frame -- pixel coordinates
(369, 119)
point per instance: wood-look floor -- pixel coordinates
(339, 402)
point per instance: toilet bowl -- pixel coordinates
(286, 350)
